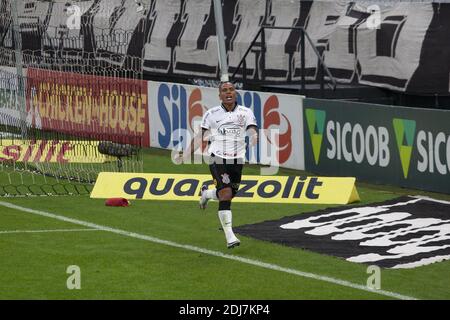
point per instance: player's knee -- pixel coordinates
(225, 194)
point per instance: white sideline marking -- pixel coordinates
(45, 231)
(210, 252)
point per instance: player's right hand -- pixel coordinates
(179, 157)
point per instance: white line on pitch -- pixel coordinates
(210, 252)
(45, 231)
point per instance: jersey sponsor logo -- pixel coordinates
(265, 189)
(225, 154)
(405, 232)
(229, 129)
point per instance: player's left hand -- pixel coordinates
(254, 140)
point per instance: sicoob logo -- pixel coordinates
(316, 125)
(404, 135)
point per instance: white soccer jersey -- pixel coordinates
(228, 130)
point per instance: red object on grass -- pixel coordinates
(117, 202)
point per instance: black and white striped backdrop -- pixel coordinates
(402, 46)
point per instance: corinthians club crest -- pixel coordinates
(225, 178)
(240, 119)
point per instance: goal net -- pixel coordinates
(67, 110)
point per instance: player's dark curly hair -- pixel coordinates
(223, 82)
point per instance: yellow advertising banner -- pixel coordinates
(51, 151)
(265, 189)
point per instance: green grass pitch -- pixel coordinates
(129, 264)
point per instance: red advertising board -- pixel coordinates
(103, 108)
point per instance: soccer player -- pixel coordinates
(228, 124)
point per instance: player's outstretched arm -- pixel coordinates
(193, 146)
(253, 134)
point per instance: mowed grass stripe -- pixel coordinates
(209, 252)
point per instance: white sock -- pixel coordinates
(225, 217)
(211, 194)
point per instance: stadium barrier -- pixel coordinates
(51, 151)
(88, 105)
(264, 189)
(400, 146)
(180, 107)
(57, 140)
